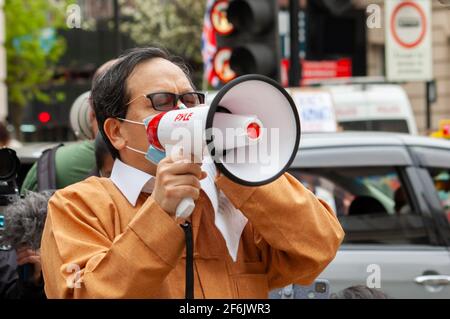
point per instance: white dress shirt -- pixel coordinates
(228, 220)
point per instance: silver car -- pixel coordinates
(391, 193)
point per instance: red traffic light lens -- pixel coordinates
(44, 117)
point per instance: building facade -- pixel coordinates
(441, 63)
(375, 52)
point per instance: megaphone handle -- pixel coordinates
(185, 208)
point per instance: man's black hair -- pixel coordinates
(110, 93)
(101, 151)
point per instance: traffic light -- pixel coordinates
(44, 117)
(247, 38)
(337, 30)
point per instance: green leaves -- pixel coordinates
(32, 47)
(173, 24)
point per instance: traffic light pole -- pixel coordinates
(428, 108)
(431, 97)
(294, 69)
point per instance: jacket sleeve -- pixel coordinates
(82, 259)
(297, 233)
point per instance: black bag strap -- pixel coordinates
(189, 289)
(46, 169)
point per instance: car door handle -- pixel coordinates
(433, 280)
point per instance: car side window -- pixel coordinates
(441, 180)
(371, 203)
(437, 162)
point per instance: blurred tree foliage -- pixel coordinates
(32, 49)
(173, 24)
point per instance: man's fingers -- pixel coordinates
(24, 253)
(178, 176)
(183, 191)
(178, 153)
(182, 168)
(22, 249)
(187, 179)
(29, 260)
(21, 254)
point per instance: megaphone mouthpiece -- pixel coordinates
(254, 131)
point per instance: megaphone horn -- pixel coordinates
(272, 105)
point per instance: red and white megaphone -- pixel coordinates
(251, 130)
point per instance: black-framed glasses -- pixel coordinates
(167, 101)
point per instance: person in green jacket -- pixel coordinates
(73, 162)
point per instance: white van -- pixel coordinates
(365, 107)
(373, 107)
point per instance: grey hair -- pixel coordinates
(359, 292)
(25, 220)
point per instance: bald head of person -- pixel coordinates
(98, 73)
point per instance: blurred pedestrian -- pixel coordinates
(6, 140)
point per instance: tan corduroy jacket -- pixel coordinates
(97, 245)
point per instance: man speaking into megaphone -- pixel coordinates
(127, 237)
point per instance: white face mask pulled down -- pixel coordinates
(153, 154)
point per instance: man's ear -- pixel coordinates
(112, 129)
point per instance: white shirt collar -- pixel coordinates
(131, 181)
